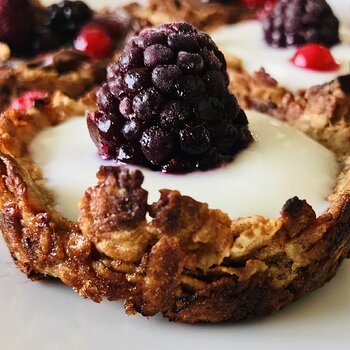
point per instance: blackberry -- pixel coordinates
(67, 17)
(166, 104)
(105, 131)
(296, 22)
(17, 22)
(44, 41)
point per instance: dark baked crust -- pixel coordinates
(189, 262)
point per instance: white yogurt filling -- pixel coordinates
(245, 40)
(280, 164)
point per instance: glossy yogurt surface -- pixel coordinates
(280, 164)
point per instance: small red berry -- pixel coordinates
(94, 40)
(29, 99)
(314, 57)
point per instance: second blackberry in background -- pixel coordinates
(67, 17)
(297, 22)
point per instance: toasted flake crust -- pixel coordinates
(68, 71)
(189, 262)
(321, 111)
(201, 15)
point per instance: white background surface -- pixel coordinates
(49, 316)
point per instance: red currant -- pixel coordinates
(314, 57)
(94, 40)
(29, 99)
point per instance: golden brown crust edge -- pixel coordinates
(190, 263)
(67, 70)
(204, 16)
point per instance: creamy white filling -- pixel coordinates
(245, 40)
(280, 164)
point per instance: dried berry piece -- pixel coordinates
(30, 99)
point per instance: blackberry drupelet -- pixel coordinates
(67, 17)
(17, 24)
(166, 104)
(296, 22)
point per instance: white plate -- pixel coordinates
(49, 316)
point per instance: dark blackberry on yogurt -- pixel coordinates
(297, 22)
(168, 96)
